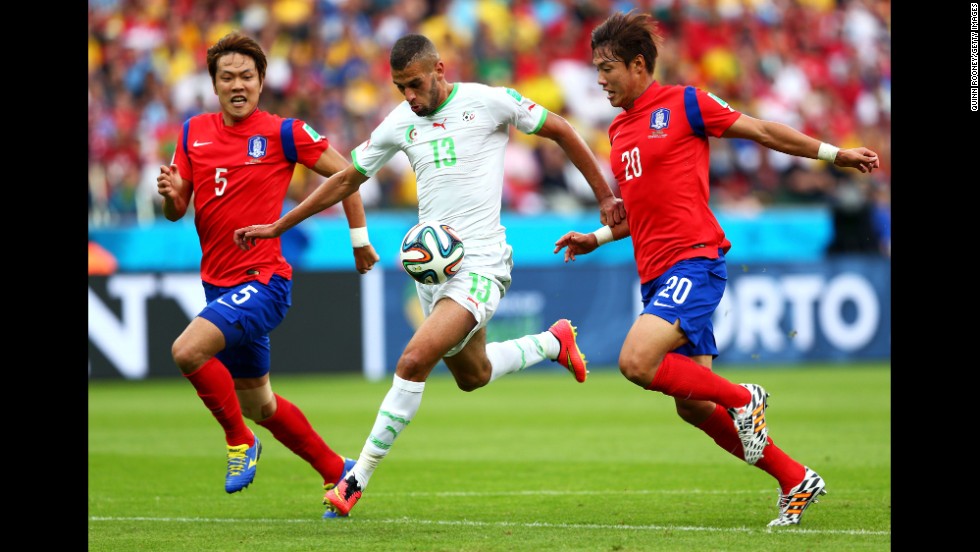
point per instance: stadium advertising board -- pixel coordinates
(835, 310)
(133, 319)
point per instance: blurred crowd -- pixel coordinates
(821, 66)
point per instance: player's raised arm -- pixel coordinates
(175, 191)
(558, 129)
(330, 163)
(788, 140)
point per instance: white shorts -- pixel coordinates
(480, 284)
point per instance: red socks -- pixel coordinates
(681, 377)
(775, 462)
(215, 387)
(291, 428)
(719, 426)
(778, 464)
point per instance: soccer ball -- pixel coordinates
(431, 252)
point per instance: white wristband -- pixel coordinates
(359, 237)
(603, 235)
(827, 152)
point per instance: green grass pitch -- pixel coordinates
(534, 461)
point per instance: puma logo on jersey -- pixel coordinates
(442, 124)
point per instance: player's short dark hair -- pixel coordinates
(627, 35)
(237, 43)
(411, 48)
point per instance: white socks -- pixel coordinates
(517, 354)
(404, 398)
(397, 410)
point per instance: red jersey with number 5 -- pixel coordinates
(240, 175)
(659, 156)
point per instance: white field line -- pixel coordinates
(535, 524)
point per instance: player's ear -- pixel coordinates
(638, 63)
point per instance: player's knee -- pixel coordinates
(186, 358)
(257, 403)
(470, 381)
(637, 369)
(413, 366)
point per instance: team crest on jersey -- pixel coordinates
(469, 116)
(411, 134)
(257, 146)
(659, 121)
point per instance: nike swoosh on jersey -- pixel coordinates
(657, 303)
(196, 143)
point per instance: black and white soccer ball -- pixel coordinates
(431, 252)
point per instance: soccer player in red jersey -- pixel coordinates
(659, 154)
(237, 165)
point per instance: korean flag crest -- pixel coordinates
(257, 146)
(660, 119)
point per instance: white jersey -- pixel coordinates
(457, 154)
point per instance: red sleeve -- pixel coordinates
(310, 145)
(716, 113)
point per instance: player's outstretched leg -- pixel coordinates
(242, 460)
(750, 421)
(330, 513)
(569, 355)
(792, 504)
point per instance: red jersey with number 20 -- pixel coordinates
(239, 175)
(659, 156)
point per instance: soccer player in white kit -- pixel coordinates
(454, 135)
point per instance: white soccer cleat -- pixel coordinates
(750, 421)
(793, 504)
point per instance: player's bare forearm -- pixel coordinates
(175, 192)
(773, 135)
(354, 210)
(330, 192)
(787, 139)
(172, 211)
(571, 142)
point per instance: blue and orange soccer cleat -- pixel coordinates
(569, 355)
(792, 504)
(344, 496)
(242, 460)
(348, 465)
